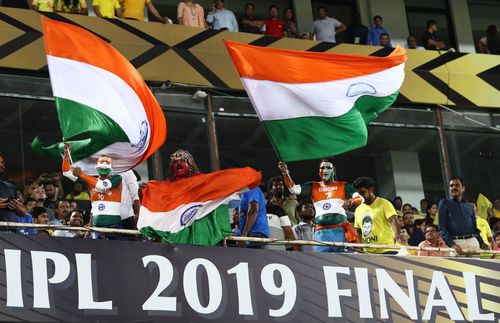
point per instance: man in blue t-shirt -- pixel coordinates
(253, 216)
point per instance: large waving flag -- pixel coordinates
(103, 104)
(315, 105)
(193, 210)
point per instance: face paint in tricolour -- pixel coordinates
(103, 166)
(326, 171)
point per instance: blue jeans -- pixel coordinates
(329, 235)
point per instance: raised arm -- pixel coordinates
(292, 187)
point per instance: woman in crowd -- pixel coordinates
(289, 26)
(191, 14)
(407, 208)
(431, 213)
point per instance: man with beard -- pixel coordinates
(279, 221)
(332, 225)
(75, 220)
(106, 190)
(276, 189)
(457, 221)
(305, 229)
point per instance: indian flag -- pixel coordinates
(103, 104)
(193, 210)
(315, 105)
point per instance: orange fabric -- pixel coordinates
(166, 196)
(290, 66)
(349, 232)
(66, 165)
(334, 190)
(288, 180)
(112, 195)
(67, 41)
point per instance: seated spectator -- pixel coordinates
(191, 14)
(248, 23)
(134, 10)
(325, 28)
(21, 216)
(385, 41)
(276, 189)
(29, 187)
(432, 239)
(107, 8)
(72, 6)
(220, 18)
(407, 208)
(415, 234)
(411, 43)
(39, 215)
(305, 229)
(50, 190)
(78, 193)
(496, 245)
(419, 224)
(61, 213)
(431, 39)
(75, 220)
(44, 5)
(21, 4)
(274, 26)
(289, 27)
(356, 33)
(400, 220)
(397, 202)
(253, 217)
(431, 212)
(490, 44)
(495, 225)
(30, 204)
(375, 32)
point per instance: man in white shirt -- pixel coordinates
(325, 28)
(222, 19)
(129, 208)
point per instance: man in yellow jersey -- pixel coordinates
(375, 221)
(134, 9)
(44, 5)
(107, 8)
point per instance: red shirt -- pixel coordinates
(274, 27)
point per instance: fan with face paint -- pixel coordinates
(326, 171)
(182, 165)
(104, 166)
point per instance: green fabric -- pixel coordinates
(103, 220)
(86, 129)
(208, 230)
(307, 138)
(330, 218)
(349, 190)
(115, 180)
(305, 189)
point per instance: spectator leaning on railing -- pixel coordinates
(107, 8)
(220, 18)
(305, 229)
(248, 23)
(432, 239)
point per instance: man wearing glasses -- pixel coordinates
(432, 239)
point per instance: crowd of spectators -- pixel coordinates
(272, 211)
(324, 28)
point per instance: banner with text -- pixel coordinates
(47, 279)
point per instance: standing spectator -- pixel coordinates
(44, 5)
(385, 41)
(375, 32)
(21, 4)
(274, 25)
(289, 27)
(7, 193)
(375, 221)
(75, 220)
(134, 9)
(72, 6)
(457, 221)
(494, 211)
(253, 216)
(130, 205)
(279, 225)
(29, 187)
(432, 239)
(191, 14)
(397, 202)
(248, 23)
(51, 194)
(423, 206)
(325, 28)
(431, 39)
(356, 33)
(62, 208)
(411, 43)
(78, 193)
(107, 8)
(490, 44)
(305, 229)
(276, 190)
(22, 217)
(415, 234)
(222, 19)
